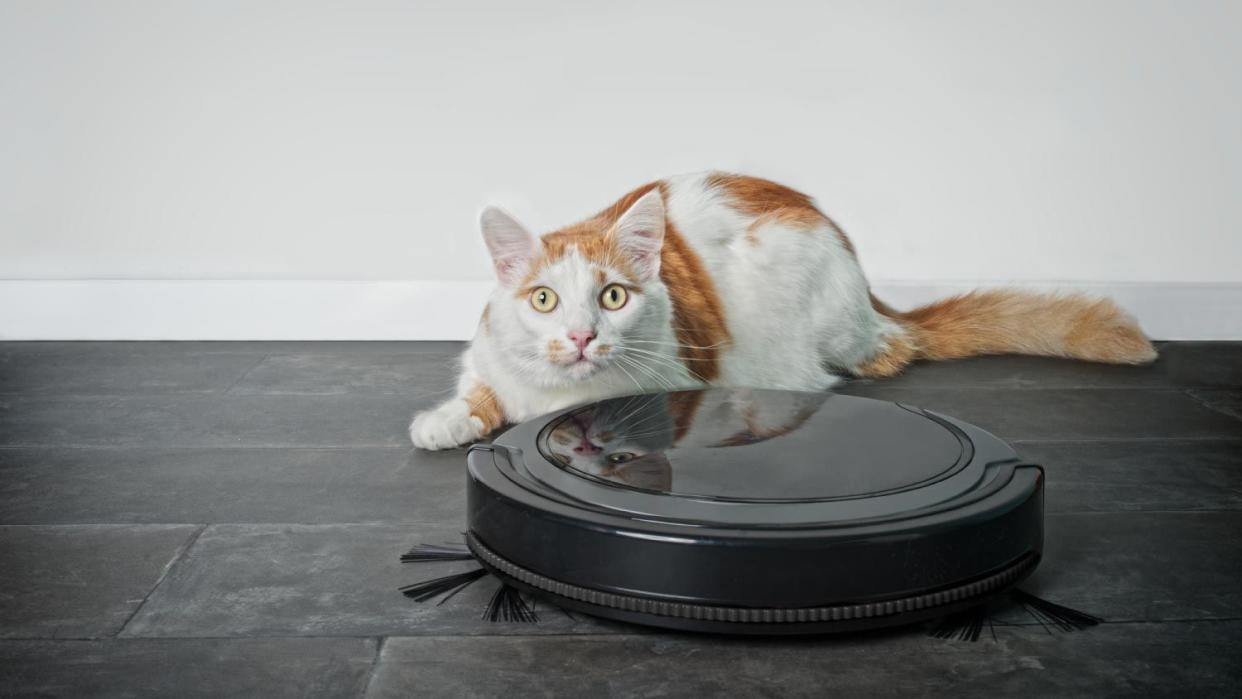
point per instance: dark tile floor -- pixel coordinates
(224, 519)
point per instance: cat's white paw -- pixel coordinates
(450, 425)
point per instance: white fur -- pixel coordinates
(796, 303)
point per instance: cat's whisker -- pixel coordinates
(655, 415)
(679, 367)
(642, 419)
(649, 371)
(647, 433)
(667, 361)
(651, 368)
(644, 401)
(678, 344)
(665, 382)
(631, 377)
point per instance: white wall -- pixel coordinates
(957, 142)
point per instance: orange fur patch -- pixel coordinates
(698, 314)
(590, 239)
(898, 352)
(483, 405)
(1018, 322)
(485, 320)
(771, 202)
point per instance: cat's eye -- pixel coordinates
(613, 297)
(620, 457)
(543, 299)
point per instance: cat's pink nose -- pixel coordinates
(581, 338)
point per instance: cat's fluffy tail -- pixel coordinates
(1014, 322)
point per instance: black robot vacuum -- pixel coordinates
(754, 511)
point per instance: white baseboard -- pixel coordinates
(448, 310)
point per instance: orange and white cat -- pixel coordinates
(719, 279)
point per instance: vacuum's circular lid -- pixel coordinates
(753, 446)
(753, 498)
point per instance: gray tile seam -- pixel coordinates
(164, 525)
(372, 670)
(1190, 391)
(145, 523)
(219, 447)
(417, 396)
(187, 447)
(406, 448)
(341, 447)
(1171, 440)
(441, 523)
(168, 568)
(244, 374)
(635, 634)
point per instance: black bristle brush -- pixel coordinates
(507, 603)
(967, 625)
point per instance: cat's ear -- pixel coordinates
(510, 244)
(640, 234)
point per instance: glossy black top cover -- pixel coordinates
(751, 499)
(753, 446)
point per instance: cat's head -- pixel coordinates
(621, 440)
(584, 303)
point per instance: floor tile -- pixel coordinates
(304, 580)
(198, 348)
(1203, 363)
(340, 579)
(41, 485)
(431, 375)
(1139, 475)
(207, 421)
(1113, 660)
(1224, 401)
(1014, 372)
(1143, 566)
(297, 667)
(1067, 413)
(80, 581)
(119, 371)
(1181, 364)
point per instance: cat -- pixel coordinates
(720, 279)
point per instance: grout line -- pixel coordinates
(157, 639)
(458, 526)
(382, 394)
(181, 553)
(245, 373)
(421, 523)
(346, 447)
(648, 633)
(1164, 511)
(1128, 440)
(379, 651)
(221, 447)
(224, 447)
(1189, 392)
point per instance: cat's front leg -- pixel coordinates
(458, 421)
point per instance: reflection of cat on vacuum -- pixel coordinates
(627, 439)
(720, 280)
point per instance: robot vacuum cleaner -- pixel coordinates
(753, 511)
